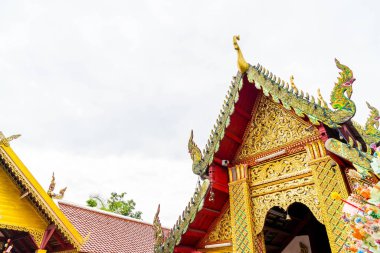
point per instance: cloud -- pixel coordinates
(105, 94)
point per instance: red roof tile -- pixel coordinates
(111, 233)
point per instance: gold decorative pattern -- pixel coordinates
(282, 182)
(288, 184)
(271, 128)
(304, 194)
(222, 230)
(274, 170)
(328, 178)
(241, 220)
(35, 233)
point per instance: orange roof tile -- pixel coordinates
(109, 232)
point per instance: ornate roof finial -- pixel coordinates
(195, 152)
(242, 64)
(372, 124)
(158, 232)
(294, 87)
(5, 140)
(51, 193)
(323, 102)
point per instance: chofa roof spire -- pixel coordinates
(242, 64)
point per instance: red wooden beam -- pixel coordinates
(196, 232)
(242, 113)
(234, 137)
(185, 249)
(210, 212)
(47, 235)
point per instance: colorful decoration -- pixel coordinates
(362, 208)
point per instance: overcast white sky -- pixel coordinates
(105, 93)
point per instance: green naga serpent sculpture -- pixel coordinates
(345, 107)
(372, 124)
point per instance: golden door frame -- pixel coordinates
(307, 177)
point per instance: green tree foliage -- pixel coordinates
(116, 204)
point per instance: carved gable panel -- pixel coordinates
(272, 127)
(221, 230)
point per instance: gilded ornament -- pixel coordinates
(5, 140)
(221, 231)
(195, 152)
(272, 128)
(158, 233)
(51, 193)
(278, 169)
(242, 64)
(328, 178)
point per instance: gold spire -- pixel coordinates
(242, 64)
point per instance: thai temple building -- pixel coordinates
(30, 220)
(266, 176)
(273, 159)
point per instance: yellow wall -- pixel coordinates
(15, 212)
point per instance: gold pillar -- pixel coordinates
(328, 178)
(244, 238)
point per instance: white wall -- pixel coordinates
(294, 245)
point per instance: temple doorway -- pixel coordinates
(16, 241)
(295, 230)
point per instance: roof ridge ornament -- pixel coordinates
(51, 193)
(5, 140)
(294, 87)
(158, 232)
(242, 64)
(195, 152)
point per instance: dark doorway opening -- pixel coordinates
(16, 241)
(281, 227)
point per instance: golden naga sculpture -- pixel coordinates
(195, 152)
(51, 193)
(5, 140)
(242, 64)
(158, 232)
